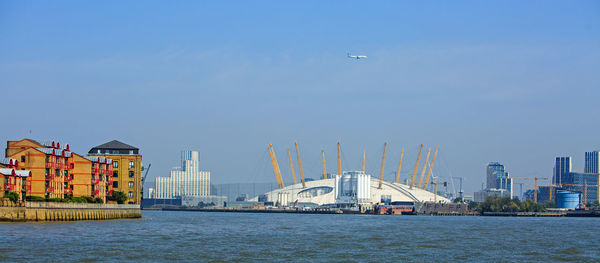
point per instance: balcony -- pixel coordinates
(49, 189)
(26, 188)
(68, 191)
(9, 187)
(95, 181)
(50, 177)
(49, 165)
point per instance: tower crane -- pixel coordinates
(143, 179)
(535, 180)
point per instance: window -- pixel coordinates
(115, 164)
(130, 174)
(47, 158)
(99, 151)
(115, 173)
(130, 184)
(22, 158)
(130, 194)
(115, 184)
(131, 152)
(131, 164)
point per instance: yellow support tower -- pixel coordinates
(300, 166)
(382, 165)
(424, 169)
(324, 169)
(430, 169)
(363, 163)
(276, 169)
(292, 166)
(399, 166)
(339, 160)
(414, 175)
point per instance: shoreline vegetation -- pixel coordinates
(116, 198)
(495, 205)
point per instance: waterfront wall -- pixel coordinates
(49, 211)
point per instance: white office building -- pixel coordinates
(187, 180)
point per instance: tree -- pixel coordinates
(13, 196)
(119, 197)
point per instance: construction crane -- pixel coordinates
(399, 166)
(382, 165)
(300, 166)
(324, 168)
(143, 179)
(292, 166)
(339, 160)
(276, 169)
(535, 179)
(460, 190)
(414, 175)
(430, 168)
(424, 169)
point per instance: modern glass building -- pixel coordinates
(187, 180)
(498, 178)
(562, 171)
(592, 162)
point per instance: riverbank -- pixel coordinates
(49, 211)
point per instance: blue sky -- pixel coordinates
(508, 81)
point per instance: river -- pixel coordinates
(242, 237)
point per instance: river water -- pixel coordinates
(242, 237)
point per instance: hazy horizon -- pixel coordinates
(511, 82)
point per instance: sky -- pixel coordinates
(515, 82)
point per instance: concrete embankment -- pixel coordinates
(48, 211)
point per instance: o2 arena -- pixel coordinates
(351, 188)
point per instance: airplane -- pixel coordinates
(356, 57)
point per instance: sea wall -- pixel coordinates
(49, 211)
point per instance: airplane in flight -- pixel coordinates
(356, 57)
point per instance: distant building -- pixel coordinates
(187, 180)
(498, 178)
(126, 168)
(483, 194)
(562, 170)
(579, 181)
(592, 162)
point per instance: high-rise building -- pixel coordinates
(187, 180)
(562, 171)
(592, 162)
(498, 178)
